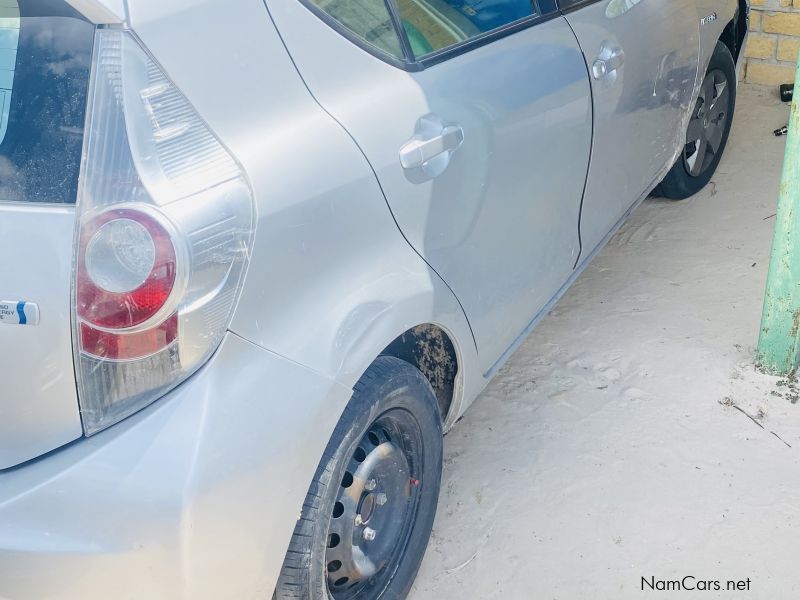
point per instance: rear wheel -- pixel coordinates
(708, 131)
(369, 512)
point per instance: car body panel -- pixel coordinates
(46, 54)
(714, 16)
(39, 403)
(195, 497)
(104, 12)
(498, 224)
(647, 98)
(319, 237)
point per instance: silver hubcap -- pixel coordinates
(708, 123)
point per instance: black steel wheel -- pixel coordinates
(376, 506)
(708, 130)
(369, 512)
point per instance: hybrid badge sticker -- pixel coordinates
(18, 312)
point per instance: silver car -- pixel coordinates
(255, 258)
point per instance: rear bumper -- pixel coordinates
(195, 497)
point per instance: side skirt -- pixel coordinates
(549, 306)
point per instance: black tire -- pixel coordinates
(692, 172)
(392, 423)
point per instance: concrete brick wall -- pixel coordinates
(774, 42)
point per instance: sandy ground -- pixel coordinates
(608, 448)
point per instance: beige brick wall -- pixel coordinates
(774, 42)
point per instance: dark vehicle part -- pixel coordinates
(369, 511)
(708, 131)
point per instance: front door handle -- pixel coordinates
(428, 153)
(610, 59)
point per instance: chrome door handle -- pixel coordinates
(611, 58)
(431, 148)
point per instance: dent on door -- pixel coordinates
(643, 61)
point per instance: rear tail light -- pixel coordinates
(165, 221)
(127, 267)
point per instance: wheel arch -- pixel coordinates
(425, 328)
(429, 348)
(735, 30)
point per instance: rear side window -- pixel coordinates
(428, 25)
(368, 19)
(45, 60)
(433, 25)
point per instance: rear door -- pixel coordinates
(478, 126)
(643, 60)
(45, 58)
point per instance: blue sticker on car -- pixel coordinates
(18, 312)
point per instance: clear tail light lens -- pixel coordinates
(165, 224)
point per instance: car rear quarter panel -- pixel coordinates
(331, 280)
(194, 497)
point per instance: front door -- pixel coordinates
(642, 56)
(477, 122)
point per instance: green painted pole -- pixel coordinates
(779, 341)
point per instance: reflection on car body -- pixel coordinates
(260, 256)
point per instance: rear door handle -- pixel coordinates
(610, 59)
(417, 152)
(432, 146)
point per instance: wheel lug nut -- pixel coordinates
(369, 534)
(380, 499)
(370, 485)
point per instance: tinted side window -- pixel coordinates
(368, 19)
(433, 25)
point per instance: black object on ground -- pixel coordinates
(787, 92)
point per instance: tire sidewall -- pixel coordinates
(407, 389)
(723, 61)
(679, 184)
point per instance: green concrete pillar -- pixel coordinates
(779, 342)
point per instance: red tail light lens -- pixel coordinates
(127, 346)
(126, 269)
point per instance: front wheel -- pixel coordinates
(708, 131)
(369, 512)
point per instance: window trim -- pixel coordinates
(354, 38)
(547, 8)
(569, 6)
(483, 39)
